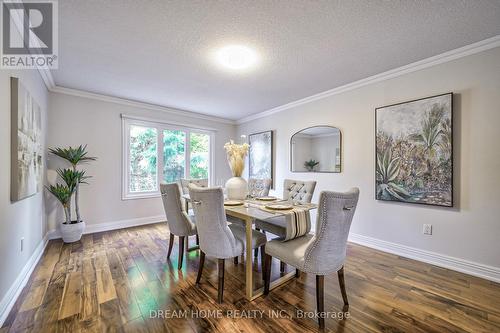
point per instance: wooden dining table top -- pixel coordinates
(255, 208)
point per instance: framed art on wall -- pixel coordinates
(26, 143)
(260, 156)
(414, 151)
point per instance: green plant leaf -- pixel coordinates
(73, 155)
(62, 193)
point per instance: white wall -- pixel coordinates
(471, 230)
(78, 120)
(25, 218)
(301, 151)
(324, 150)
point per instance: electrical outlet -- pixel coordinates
(22, 244)
(427, 229)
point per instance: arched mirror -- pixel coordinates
(316, 149)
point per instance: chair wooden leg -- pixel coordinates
(297, 273)
(320, 303)
(181, 251)
(200, 266)
(282, 266)
(263, 260)
(340, 274)
(235, 260)
(170, 245)
(220, 291)
(267, 273)
(197, 239)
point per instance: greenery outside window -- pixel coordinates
(155, 152)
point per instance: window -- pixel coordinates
(174, 155)
(155, 152)
(199, 159)
(142, 167)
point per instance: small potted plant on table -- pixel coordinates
(71, 230)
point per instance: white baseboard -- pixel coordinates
(100, 227)
(15, 289)
(468, 267)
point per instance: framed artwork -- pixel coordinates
(414, 151)
(260, 156)
(26, 143)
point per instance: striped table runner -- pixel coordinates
(297, 220)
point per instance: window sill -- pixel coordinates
(141, 196)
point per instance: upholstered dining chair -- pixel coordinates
(325, 251)
(259, 187)
(198, 182)
(217, 238)
(179, 222)
(185, 187)
(294, 190)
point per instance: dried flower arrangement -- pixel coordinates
(236, 154)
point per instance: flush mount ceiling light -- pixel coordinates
(236, 57)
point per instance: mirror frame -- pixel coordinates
(340, 146)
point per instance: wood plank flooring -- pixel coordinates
(117, 281)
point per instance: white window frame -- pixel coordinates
(160, 126)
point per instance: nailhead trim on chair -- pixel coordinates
(318, 238)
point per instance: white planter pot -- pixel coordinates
(72, 232)
(236, 188)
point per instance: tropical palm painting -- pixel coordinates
(414, 151)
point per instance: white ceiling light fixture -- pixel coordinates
(236, 57)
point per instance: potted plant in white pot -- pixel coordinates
(71, 230)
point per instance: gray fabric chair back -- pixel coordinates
(198, 182)
(327, 251)
(216, 239)
(298, 190)
(177, 219)
(259, 187)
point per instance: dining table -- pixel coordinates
(249, 211)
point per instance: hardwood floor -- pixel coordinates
(116, 281)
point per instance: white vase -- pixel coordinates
(236, 188)
(72, 232)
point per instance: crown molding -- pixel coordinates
(461, 52)
(138, 104)
(47, 77)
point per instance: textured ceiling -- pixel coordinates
(159, 51)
